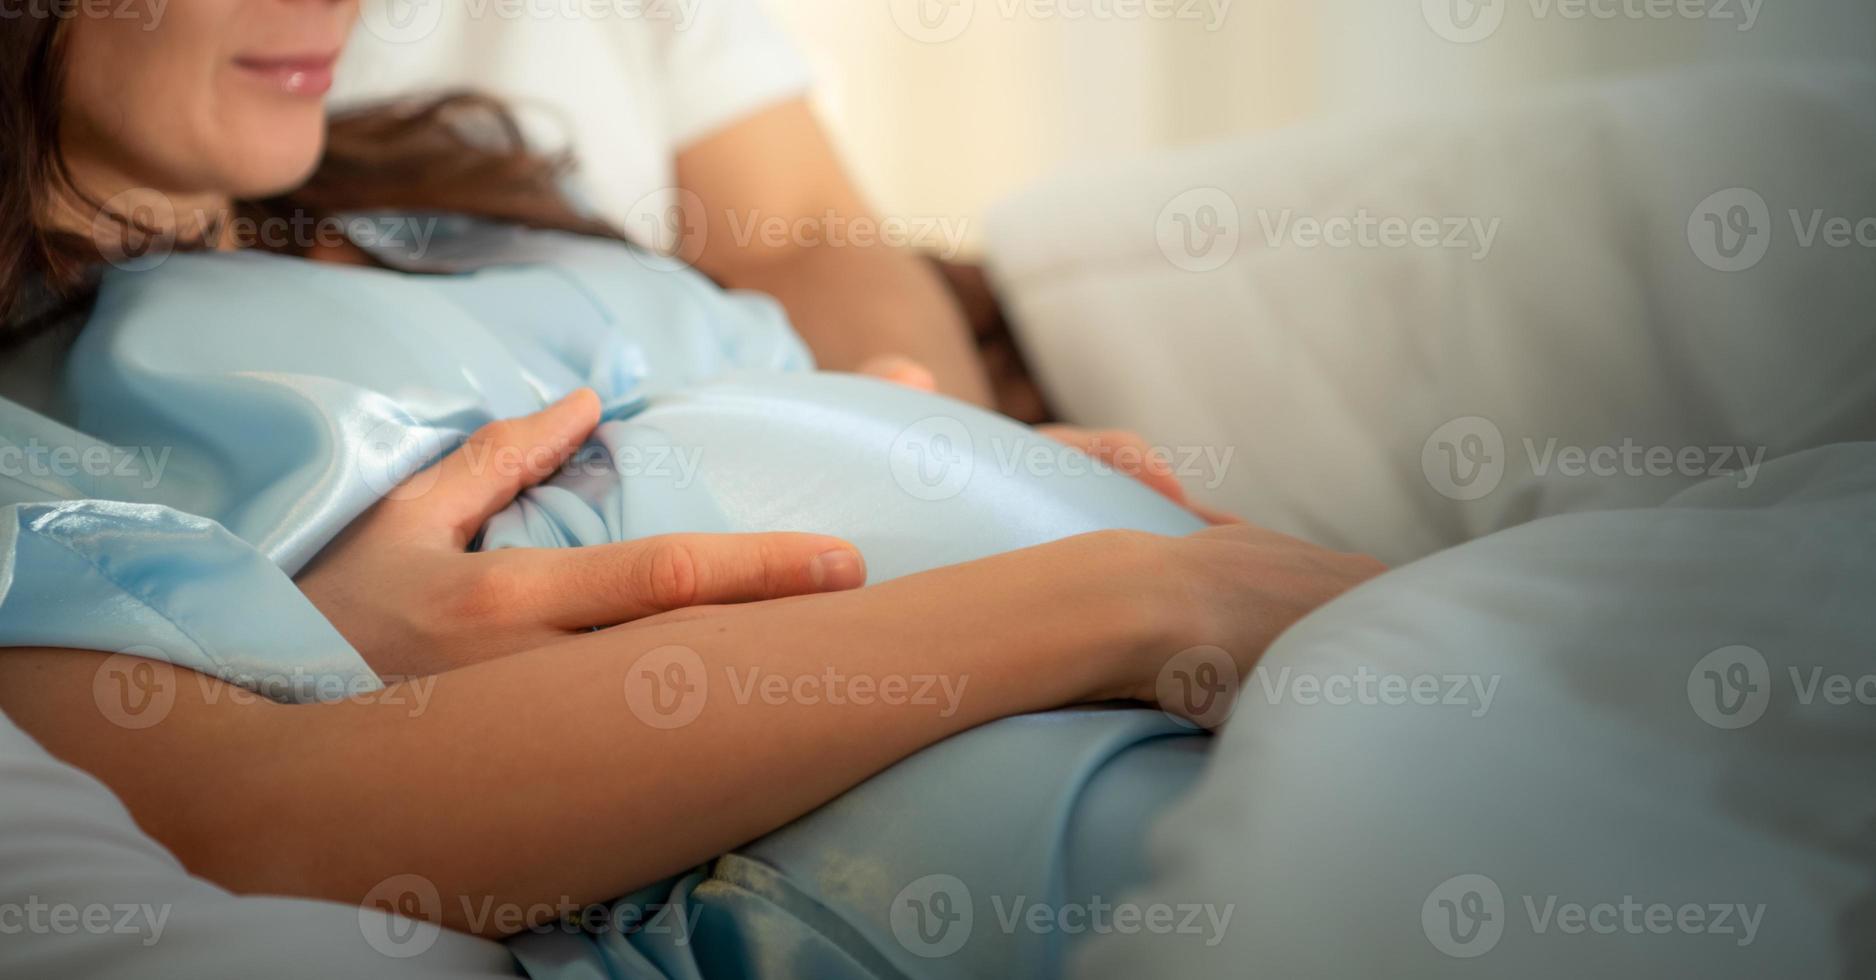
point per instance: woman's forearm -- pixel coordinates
(577, 772)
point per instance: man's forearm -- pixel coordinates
(852, 304)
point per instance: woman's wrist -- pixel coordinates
(1132, 611)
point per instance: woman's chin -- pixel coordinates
(261, 186)
(272, 165)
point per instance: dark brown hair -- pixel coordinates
(455, 152)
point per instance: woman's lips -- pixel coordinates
(304, 75)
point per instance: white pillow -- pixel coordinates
(1343, 379)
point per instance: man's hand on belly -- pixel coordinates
(1126, 452)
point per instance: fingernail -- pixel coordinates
(837, 570)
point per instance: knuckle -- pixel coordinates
(670, 576)
(488, 594)
(773, 562)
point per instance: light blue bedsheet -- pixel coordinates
(222, 417)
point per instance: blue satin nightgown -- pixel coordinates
(239, 410)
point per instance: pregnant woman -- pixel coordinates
(473, 713)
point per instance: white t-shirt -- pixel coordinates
(625, 84)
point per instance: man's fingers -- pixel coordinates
(498, 462)
(1216, 518)
(901, 371)
(1131, 455)
(618, 583)
(1125, 452)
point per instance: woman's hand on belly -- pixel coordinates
(401, 586)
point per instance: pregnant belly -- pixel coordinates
(1047, 809)
(916, 481)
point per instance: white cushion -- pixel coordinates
(1332, 374)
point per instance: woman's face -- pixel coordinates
(211, 97)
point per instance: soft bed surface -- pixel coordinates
(1671, 776)
(85, 893)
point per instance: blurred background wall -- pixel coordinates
(943, 106)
